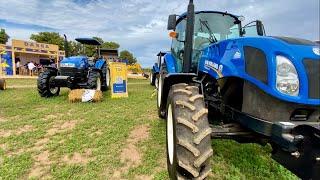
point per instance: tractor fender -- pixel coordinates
(99, 64)
(171, 79)
(170, 62)
(50, 68)
(155, 68)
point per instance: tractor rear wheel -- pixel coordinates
(188, 134)
(46, 86)
(106, 78)
(94, 80)
(152, 79)
(3, 84)
(162, 75)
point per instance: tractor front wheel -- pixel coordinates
(94, 80)
(46, 86)
(3, 85)
(188, 134)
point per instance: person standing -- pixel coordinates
(31, 67)
(18, 66)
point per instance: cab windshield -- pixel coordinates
(214, 27)
(209, 27)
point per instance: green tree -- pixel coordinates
(91, 50)
(49, 38)
(126, 55)
(110, 45)
(74, 48)
(3, 36)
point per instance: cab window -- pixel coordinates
(177, 47)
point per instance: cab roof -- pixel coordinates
(88, 41)
(182, 16)
(161, 53)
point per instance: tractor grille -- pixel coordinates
(313, 70)
(72, 72)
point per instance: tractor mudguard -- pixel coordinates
(99, 64)
(51, 68)
(171, 65)
(155, 68)
(171, 79)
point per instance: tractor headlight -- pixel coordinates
(287, 81)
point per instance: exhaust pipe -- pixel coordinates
(187, 58)
(66, 46)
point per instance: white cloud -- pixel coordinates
(140, 25)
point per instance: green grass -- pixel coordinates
(103, 128)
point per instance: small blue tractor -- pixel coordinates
(76, 72)
(225, 80)
(154, 75)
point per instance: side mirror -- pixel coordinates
(260, 28)
(172, 22)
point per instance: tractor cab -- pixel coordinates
(210, 27)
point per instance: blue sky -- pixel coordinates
(140, 25)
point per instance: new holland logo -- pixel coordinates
(214, 66)
(316, 50)
(237, 55)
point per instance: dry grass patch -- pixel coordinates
(6, 133)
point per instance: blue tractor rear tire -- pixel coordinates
(105, 78)
(152, 79)
(94, 80)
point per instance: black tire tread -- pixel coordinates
(153, 76)
(43, 83)
(193, 131)
(92, 79)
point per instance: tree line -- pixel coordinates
(74, 48)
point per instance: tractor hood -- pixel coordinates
(75, 62)
(255, 59)
(296, 49)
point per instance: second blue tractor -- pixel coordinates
(76, 72)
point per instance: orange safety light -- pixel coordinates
(173, 34)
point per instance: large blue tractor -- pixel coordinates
(225, 80)
(76, 72)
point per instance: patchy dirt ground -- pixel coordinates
(130, 155)
(41, 167)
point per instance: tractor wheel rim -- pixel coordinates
(159, 92)
(98, 84)
(53, 89)
(170, 146)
